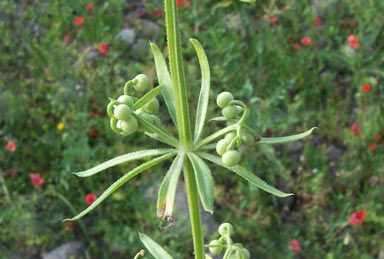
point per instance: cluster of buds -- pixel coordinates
(124, 112)
(235, 112)
(225, 245)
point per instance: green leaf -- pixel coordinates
(165, 80)
(202, 106)
(164, 136)
(204, 181)
(154, 248)
(168, 187)
(147, 97)
(278, 140)
(117, 184)
(123, 159)
(215, 136)
(246, 174)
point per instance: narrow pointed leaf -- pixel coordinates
(278, 140)
(123, 159)
(204, 181)
(117, 184)
(154, 248)
(165, 80)
(147, 97)
(202, 106)
(164, 136)
(215, 135)
(246, 174)
(168, 187)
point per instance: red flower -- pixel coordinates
(67, 38)
(353, 41)
(36, 179)
(103, 48)
(69, 225)
(358, 217)
(157, 12)
(355, 128)
(90, 198)
(79, 21)
(335, 95)
(306, 41)
(273, 20)
(93, 133)
(317, 21)
(95, 113)
(295, 46)
(90, 6)
(372, 146)
(180, 3)
(295, 246)
(378, 137)
(11, 146)
(366, 87)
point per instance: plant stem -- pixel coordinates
(194, 210)
(183, 121)
(177, 73)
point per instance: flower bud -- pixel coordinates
(129, 127)
(215, 250)
(223, 99)
(122, 112)
(225, 229)
(221, 146)
(230, 112)
(142, 82)
(126, 99)
(152, 106)
(231, 158)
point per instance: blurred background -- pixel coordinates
(297, 64)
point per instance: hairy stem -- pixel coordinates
(194, 210)
(177, 73)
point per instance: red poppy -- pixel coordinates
(358, 217)
(69, 225)
(372, 146)
(273, 20)
(11, 146)
(366, 87)
(36, 179)
(294, 246)
(335, 95)
(180, 3)
(103, 48)
(306, 41)
(79, 21)
(93, 133)
(378, 137)
(355, 128)
(90, 6)
(353, 41)
(95, 113)
(67, 38)
(317, 21)
(157, 12)
(90, 198)
(295, 46)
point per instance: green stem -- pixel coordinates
(183, 121)
(194, 210)
(177, 73)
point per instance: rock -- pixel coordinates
(128, 36)
(149, 29)
(334, 153)
(66, 251)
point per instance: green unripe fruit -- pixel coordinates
(247, 138)
(230, 112)
(223, 99)
(231, 158)
(225, 229)
(142, 82)
(129, 127)
(152, 106)
(215, 250)
(126, 99)
(221, 146)
(156, 121)
(229, 136)
(122, 112)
